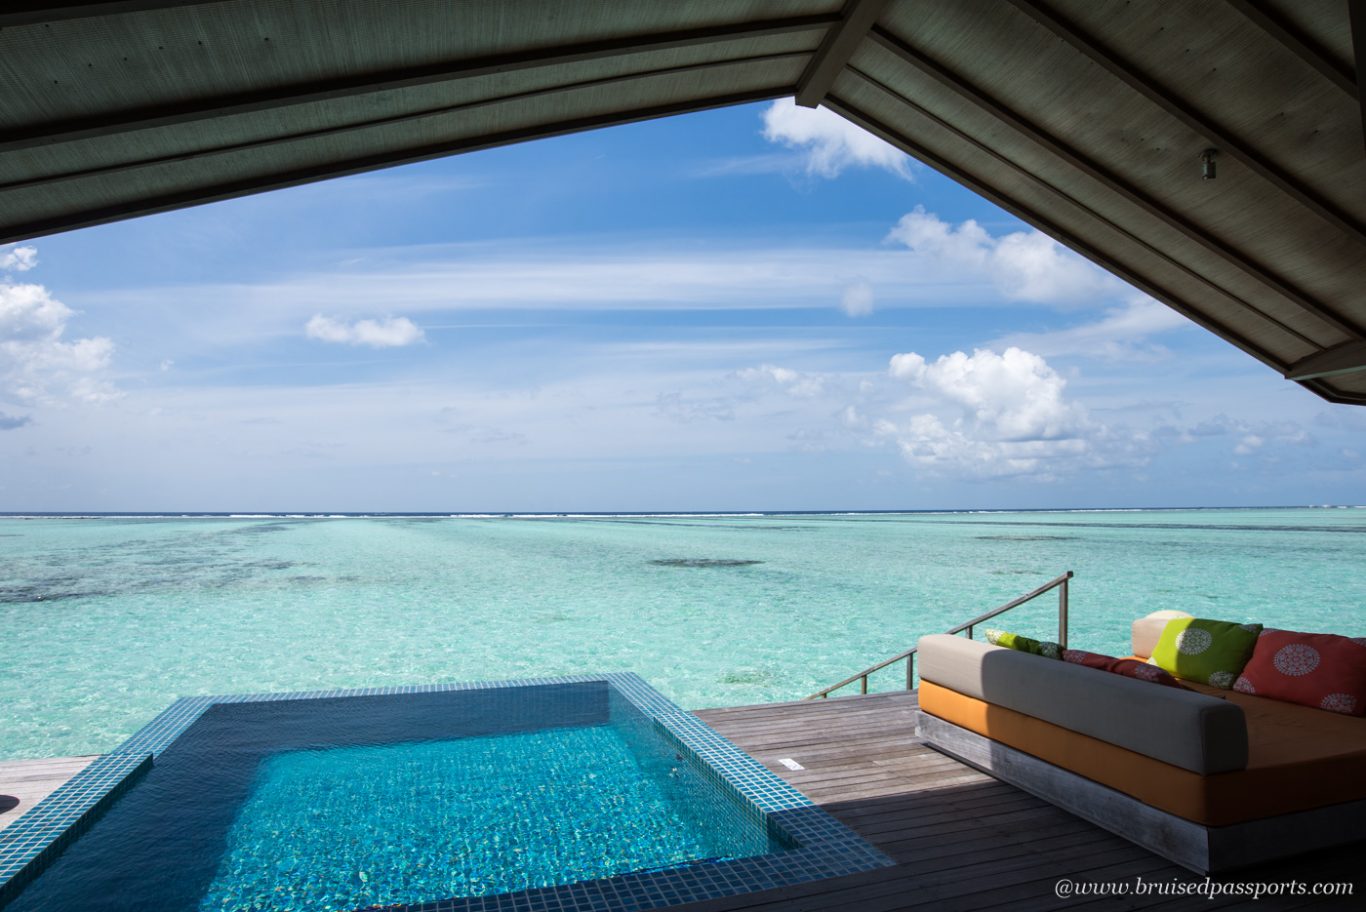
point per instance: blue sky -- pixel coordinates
(754, 308)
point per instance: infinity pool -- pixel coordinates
(547, 795)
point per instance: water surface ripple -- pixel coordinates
(106, 620)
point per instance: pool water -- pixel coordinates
(337, 804)
(344, 828)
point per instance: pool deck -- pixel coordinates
(30, 781)
(960, 839)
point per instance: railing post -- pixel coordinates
(1062, 613)
(863, 684)
(910, 672)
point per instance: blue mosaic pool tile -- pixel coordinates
(28, 844)
(824, 847)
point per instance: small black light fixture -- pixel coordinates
(1207, 164)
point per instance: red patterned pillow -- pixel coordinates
(1089, 659)
(1129, 668)
(1316, 669)
(1133, 668)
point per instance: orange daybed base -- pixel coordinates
(1299, 758)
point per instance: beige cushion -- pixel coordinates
(1187, 729)
(1148, 630)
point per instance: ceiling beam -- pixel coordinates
(1299, 44)
(1347, 358)
(1356, 15)
(1227, 143)
(369, 83)
(405, 117)
(835, 51)
(1061, 235)
(37, 12)
(100, 215)
(1052, 229)
(1110, 180)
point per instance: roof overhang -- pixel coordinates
(1086, 118)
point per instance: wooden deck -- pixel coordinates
(960, 839)
(23, 783)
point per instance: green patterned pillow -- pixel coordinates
(1211, 652)
(1024, 644)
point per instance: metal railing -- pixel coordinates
(1059, 583)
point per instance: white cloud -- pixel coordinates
(830, 142)
(390, 332)
(29, 312)
(1014, 395)
(994, 415)
(796, 383)
(37, 365)
(1121, 335)
(857, 300)
(1023, 265)
(18, 259)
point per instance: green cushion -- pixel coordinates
(1024, 644)
(1211, 652)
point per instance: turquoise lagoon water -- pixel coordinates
(104, 621)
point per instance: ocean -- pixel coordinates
(106, 619)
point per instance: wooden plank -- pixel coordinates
(180, 199)
(1302, 46)
(34, 12)
(1356, 17)
(619, 81)
(23, 783)
(352, 85)
(1197, 121)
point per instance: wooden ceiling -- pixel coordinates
(1086, 118)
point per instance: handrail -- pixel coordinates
(1059, 583)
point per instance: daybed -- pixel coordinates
(1212, 779)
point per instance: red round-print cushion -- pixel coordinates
(1132, 668)
(1129, 668)
(1089, 659)
(1316, 669)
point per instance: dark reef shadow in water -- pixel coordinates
(702, 562)
(26, 595)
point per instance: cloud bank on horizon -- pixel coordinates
(924, 350)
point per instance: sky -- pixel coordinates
(756, 308)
